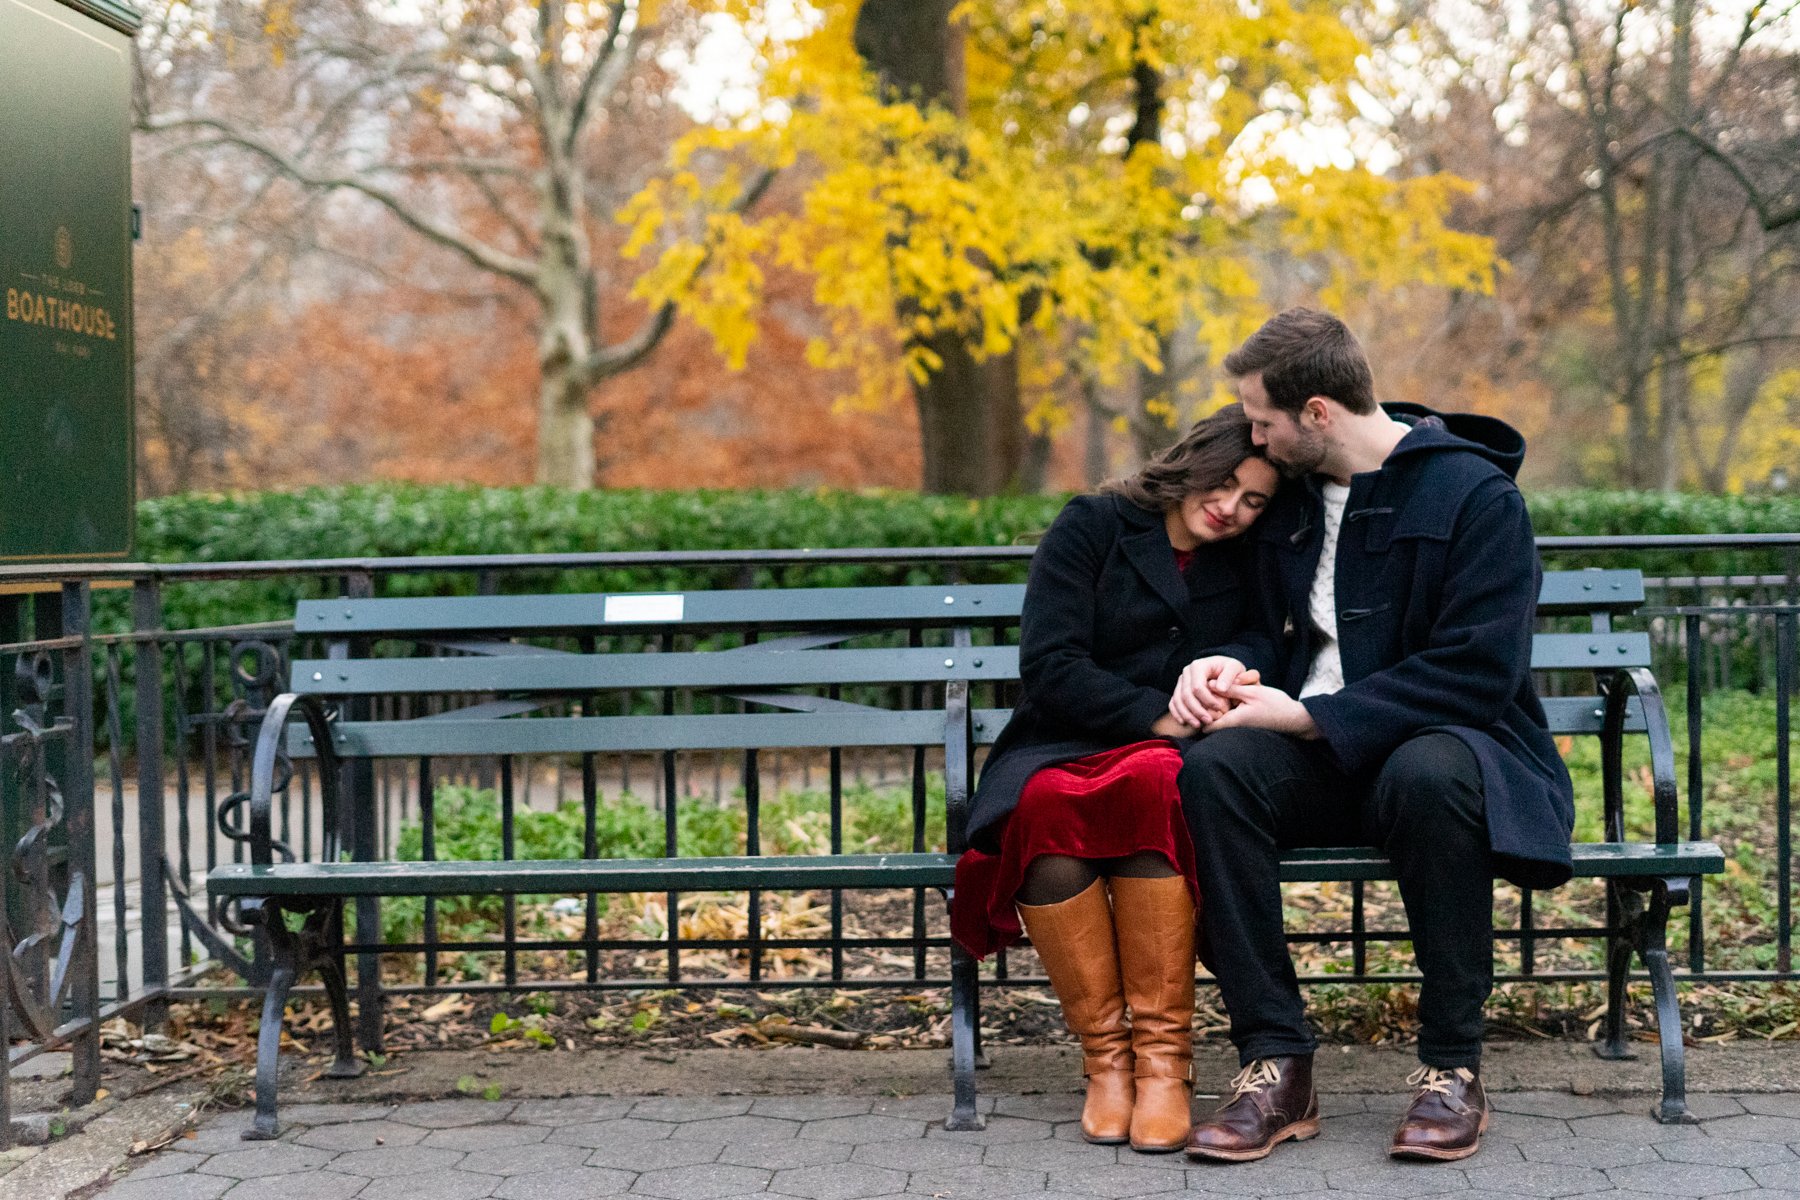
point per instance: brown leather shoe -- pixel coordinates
(1074, 940)
(1154, 922)
(1446, 1118)
(1272, 1100)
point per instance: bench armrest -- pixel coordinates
(1627, 683)
(270, 772)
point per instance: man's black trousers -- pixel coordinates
(1249, 794)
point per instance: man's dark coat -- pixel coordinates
(1437, 583)
(1108, 624)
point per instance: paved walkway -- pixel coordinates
(849, 1148)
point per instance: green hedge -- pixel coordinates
(400, 520)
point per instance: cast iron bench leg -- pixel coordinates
(1624, 916)
(265, 1126)
(1653, 947)
(325, 932)
(965, 1033)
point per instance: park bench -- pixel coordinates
(470, 648)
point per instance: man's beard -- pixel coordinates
(1308, 452)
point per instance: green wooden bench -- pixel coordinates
(473, 653)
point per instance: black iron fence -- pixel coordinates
(122, 740)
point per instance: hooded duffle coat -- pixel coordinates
(1437, 580)
(1107, 625)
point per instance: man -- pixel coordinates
(1398, 586)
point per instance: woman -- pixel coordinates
(1077, 822)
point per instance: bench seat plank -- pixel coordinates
(527, 876)
(1593, 860)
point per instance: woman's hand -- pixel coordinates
(1169, 726)
(1201, 692)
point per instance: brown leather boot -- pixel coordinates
(1074, 940)
(1154, 922)
(1272, 1100)
(1446, 1118)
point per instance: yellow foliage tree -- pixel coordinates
(1097, 177)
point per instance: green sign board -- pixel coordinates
(66, 432)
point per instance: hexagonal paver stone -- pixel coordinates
(1374, 1129)
(361, 1135)
(975, 1182)
(386, 1162)
(788, 1152)
(1587, 1152)
(266, 1158)
(1551, 1104)
(1704, 1105)
(999, 1129)
(312, 1185)
(918, 1155)
(809, 1108)
(486, 1137)
(1726, 1153)
(1047, 1155)
(1782, 1104)
(1256, 1179)
(1537, 1179)
(151, 1166)
(171, 1187)
(845, 1181)
(1322, 1155)
(1124, 1179)
(449, 1114)
(690, 1108)
(1632, 1127)
(1680, 1179)
(432, 1185)
(654, 1156)
(1756, 1127)
(1397, 1179)
(1520, 1127)
(1778, 1175)
(332, 1114)
(578, 1183)
(927, 1107)
(858, 1130)
(523, 1160)
(220, 1136)
(741, 1129)
(622, 1132)
(709, 1182)
(571, 1110)
(1054, 1107)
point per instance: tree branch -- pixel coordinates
(603, 75)
(488, 258)
(612, 360)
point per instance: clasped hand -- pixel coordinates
(1218, 692)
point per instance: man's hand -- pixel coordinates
(1201, 692)
(1257, 707)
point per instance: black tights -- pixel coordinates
(1053, 878)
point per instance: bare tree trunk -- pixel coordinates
(1674, 378)
(971, 427)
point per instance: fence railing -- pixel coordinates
(121, 739)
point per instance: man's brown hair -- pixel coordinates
(1302, 353)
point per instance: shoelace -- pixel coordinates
(1255, 1077)
(1437, 1079)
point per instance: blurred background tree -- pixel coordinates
(976, 247)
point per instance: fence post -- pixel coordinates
(78, 802)
(153, 900)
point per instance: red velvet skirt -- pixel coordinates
(1107, 805)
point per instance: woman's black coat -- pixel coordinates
(1108, 623)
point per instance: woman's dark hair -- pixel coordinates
(1203, 459)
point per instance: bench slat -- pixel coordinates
(583, 875)
(1604, 860)
(579, 735)
(1576, 593)
(586, 673)
(768, 608)
(1589, 651)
